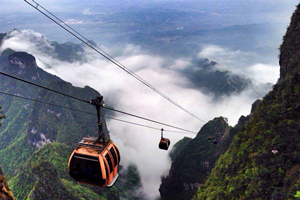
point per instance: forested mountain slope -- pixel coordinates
(263, 161)
(193, 159)
(36, 139)
(5, 192)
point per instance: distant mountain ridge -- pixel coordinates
(202, 73)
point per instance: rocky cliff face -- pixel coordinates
(263, 160)
(290, 48)
(192, 160)
(5, 192)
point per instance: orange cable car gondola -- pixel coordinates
(93, 161)
(164, 143)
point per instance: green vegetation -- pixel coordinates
(36, 139)
(5, 192)
(130, 183)
(263, 160)
(46, 170)
(1, 115)
(178, 147)
(193, 160)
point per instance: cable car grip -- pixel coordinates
(97, 103)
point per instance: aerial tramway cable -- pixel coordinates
(73, 32)
(90, 113)
(85, 101)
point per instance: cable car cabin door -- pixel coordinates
(87, 169)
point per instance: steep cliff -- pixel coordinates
(192, 160)
(263, 160)
(290, 48)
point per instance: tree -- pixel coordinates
(2, 116)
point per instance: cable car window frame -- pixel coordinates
(118, 154)
(83, 158)
(109, 162)
(114, 155)
(106, 167)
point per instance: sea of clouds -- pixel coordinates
(139, 145)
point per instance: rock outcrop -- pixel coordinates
(5, 192)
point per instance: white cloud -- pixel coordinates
(28, 41)
(74, 21)
(263, 73)
(227, 58)
(140, 145)
(241, 63)
(87, 11)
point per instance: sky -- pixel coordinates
(140, 145)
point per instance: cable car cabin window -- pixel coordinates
(117, 150)
(113, 153)
(86, 169)
(107, 157)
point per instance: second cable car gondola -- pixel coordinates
(164, 143)
(94, 160)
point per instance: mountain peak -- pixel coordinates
(290, 48)
(23, 60)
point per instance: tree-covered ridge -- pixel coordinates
(290, 48)
(36, 139)
(263, 160)
(204, 74)
(29, 125)
(194, 158)
(46, 170)
(5, 192)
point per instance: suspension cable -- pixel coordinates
(73, 32)
(89, 113)
(31, 83)
(85, 101)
